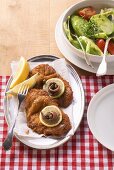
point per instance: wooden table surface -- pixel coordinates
(27, 29)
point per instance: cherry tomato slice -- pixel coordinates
(101, 44)
(87, 12)
(111, 47)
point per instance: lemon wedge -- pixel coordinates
(21, 73)
(29, 83)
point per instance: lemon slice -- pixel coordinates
(29, 83)
(21, 73)
(55, 87)
(50, 116)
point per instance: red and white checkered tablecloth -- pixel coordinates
(81, 152)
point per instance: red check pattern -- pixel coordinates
(81, 152)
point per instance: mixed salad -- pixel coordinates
(88, 30)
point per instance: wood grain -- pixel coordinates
(27, 28)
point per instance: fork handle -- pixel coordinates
(8, 141)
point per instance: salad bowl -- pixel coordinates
(97, 5)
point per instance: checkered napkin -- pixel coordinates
(81, 152)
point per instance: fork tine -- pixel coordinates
(25, 90)
(20, 91)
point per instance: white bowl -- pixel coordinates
(97, 4)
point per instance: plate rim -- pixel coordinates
(100, 92)
(64, 140)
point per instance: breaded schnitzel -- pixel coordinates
(66, 99)
(35, 101)
(47, 72)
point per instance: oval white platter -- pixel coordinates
(100, 116)
(78, 108)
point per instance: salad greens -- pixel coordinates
(90, 46)
(82, 26)
(103, 23)
(85, 32)
(74, 42)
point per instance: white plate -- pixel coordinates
(78, 108)
(100, 116)
(71, 56)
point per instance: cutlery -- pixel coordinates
(102, 69)
(22, 92)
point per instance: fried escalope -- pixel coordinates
(35, 101)
(47, 72)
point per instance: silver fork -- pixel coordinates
(22, 92)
